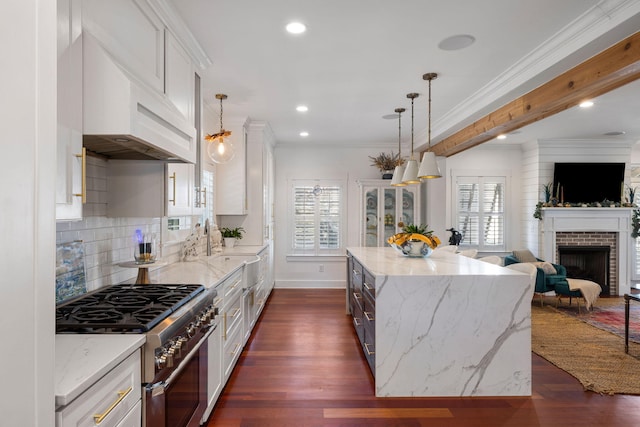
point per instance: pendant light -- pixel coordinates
(396, 181)
(220, 149)
(411, 171)
(429, 167)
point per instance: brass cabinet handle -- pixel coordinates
(356, 296)
(173, 177)
(235, 312)
(369, 317)
(366, 285)
(83, 190)
(369, 352)
(235, 349)
(98, 418)
(216, 301)
(356, 320)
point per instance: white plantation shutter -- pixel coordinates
(480, 215)
(317, 217)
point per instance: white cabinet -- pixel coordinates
(383, 207)
(132, 33)
(71, 159)
(179, 77)
(113, 401)
(149, 189)
(259, 227)
(231, 182)
(232, 327)
(214, 370)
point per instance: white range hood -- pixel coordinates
(124, 119)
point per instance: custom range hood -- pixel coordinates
(124, 119)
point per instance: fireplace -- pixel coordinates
(587, 262)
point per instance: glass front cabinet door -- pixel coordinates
(383, 207)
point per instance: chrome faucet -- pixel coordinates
(207, 232)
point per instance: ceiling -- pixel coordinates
(359, 58)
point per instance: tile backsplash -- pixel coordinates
(109, 241)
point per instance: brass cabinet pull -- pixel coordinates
(216, 302)
(98, 418)
(369, 317)
(173, 177)
(369, 352)
(235, 349)
(356, 320)
(83, 188)
(366, 285)
(356, 296)
(235, 312)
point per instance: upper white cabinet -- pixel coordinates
(149, 189)
(231, 177)
(132, 33)
(383, 207)
(70, 189)
(179, 74)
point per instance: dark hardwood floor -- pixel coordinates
(303, 367)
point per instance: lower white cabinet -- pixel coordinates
(214, 370)
(113, 401)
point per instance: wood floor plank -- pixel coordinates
(303, 367)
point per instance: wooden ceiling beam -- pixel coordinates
(608, 70)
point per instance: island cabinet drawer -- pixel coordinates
(358, 322)
(356, 275)
(368, 283)
(369, 322)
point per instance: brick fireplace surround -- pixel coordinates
(591, 227)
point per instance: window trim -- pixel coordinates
(316, 251)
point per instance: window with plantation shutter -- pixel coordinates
(317, 217)
(480, 218)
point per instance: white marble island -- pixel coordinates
(445, 325)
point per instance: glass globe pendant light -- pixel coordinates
(429, 167)
(396, 181)
(220, 148)
(410, 175)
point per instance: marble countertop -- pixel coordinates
(82, 359)
(388, 262)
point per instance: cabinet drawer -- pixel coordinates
(232, 286)
(133, 418)
(108, 401)
(231, 317)
(368, 283)
(231, 351)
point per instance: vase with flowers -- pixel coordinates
(415, 241)
(386, 163)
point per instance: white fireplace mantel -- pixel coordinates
(604, 219)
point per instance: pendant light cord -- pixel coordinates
(221, 128)
(412, 128)
(429, 133)
(399, 134)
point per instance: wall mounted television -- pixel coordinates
(588, 182)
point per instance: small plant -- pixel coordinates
(547, 190)
(538, 212)
(386, 162)
(631, 194)
(635, 223)
(232, 232)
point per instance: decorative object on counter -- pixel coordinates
(410, 175)
(415, 241)
(70, 271)
(399, 170)
(143, 270)
(144, 248)
(631, 196)
(230, 235)
(216, 238)
(191, 245)
(455, 238)
(220, 148)
(386, 163)
(429, 167)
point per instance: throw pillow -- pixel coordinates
(524, 255)
(546, 266)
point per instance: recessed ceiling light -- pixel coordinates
(296, 28)
(502, 136)
(586, 104)
(302, 108)
(304, 134)
(457, 42)
(615, 133)
(390, 116)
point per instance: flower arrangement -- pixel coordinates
(386, 162)
(414, 233)
(236, 233)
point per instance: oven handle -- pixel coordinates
(158, 388)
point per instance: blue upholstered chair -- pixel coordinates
(545, 282)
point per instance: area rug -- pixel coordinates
(595, 357)
(607, 314)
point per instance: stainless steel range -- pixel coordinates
(177, 321)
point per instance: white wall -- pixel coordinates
(27, 253)
(313, 162)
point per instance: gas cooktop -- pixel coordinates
(123, 308)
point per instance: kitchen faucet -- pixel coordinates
(207, 232)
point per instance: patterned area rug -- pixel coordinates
(607, 314)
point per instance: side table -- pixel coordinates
(627, 298)
(143, 270)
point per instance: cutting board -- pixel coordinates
(70, 271)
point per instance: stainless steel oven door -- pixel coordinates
(180, 400)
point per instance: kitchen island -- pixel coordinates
(446, 325)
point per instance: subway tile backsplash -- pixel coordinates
(108, 241)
